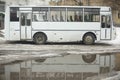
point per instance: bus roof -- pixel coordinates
(103, 8)
(60, 6)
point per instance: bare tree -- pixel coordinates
(88, 2)
(115, 4)
(78, 2)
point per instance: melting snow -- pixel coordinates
(117, 40)
(116, 77)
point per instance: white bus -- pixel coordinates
(59, 24)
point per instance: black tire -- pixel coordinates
(89, 39)
(89, 58)
(39, 38)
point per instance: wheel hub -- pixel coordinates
(88, 39)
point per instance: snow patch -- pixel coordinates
(116, 77)
(116, 41)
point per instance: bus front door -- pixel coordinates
(105, 27)
(25, 28)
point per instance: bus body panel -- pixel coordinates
(14, 31)
(62, 26)
(66, 36)
(7, 26)
(113, 33)
(64, 31)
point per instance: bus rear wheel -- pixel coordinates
(89, 39)
(39, 38)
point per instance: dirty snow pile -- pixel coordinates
(117, 40)
(116, 77)
(107, 76)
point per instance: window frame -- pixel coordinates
(90, 13)
(75, 17)
(14, 14)
(55, 14)
(41, 11)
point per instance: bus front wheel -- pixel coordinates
(39, 38)
(88, 39)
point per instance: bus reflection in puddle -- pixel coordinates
(70, 67)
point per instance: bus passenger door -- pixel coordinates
(25, 32)
(105, 27)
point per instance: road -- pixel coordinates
(12, 51)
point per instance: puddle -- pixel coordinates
(69, 67)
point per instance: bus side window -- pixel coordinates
(28, 22)
(14, 14)
(23, 19)
(74, 14)
(28, 19)
(56, 17)
(68, 19)
(108, 22)
(103, 20)
(40, 14)
(62, 15)
(61, 18)
(80, 18)
(75, 18)
(45, 18)
(92, 15)
(53, 19)
(71, 19)
(35, 18)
